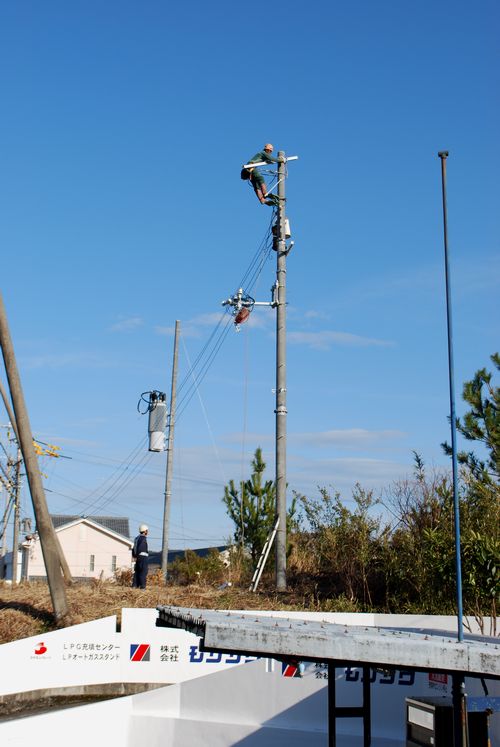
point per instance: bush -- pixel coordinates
(343, 547)
(192, 569)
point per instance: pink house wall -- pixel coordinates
(79, 542)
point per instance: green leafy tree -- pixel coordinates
(251, 505)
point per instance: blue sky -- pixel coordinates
(124, 126)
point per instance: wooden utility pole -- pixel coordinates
(44, 524)
(170, 455)
(281, 411)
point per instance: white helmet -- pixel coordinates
(143, 528)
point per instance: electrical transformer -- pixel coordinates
(157, 421)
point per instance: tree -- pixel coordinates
(482, 424)
(480, 504)
(252, 508)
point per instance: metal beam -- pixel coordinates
(266, 163)
(323, 641)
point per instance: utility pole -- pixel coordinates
(242, 304)
(45, 527)
(281, 410)
(62, 558)
(17, 498)
(8, 506)
(170, 455)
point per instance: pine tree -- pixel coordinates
(252, 507)
(482, 424)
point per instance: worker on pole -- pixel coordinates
(256, 179)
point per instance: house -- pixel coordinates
(93, 546)
(6, 563)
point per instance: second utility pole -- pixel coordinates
(281, 410)
(17, 498)
(170, 457)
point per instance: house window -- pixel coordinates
(113, 563)
(92, 563)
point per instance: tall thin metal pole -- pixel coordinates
(458, 690)
(44, 523)
(170, 455)
(281, 411)
(443, 155)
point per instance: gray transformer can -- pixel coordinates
(157, 425)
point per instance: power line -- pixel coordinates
(208, 354)
(127, 478)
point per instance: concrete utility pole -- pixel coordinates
(281, 410)
(170, 455)
(8, 506)
(45, 528)
(17, 498)
(242, 304)
(10, 413)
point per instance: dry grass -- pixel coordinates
(26, 609)
(15, 624)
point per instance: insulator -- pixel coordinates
(157, 424)
(242, 316)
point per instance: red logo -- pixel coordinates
(291, 668)
(140, 652)
(42, 648)
(438, 678)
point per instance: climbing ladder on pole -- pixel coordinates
(264, 555)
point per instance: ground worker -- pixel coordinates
(257, 180)
(140, 555)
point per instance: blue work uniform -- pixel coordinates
(140, 555)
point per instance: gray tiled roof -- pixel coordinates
(118, 524)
